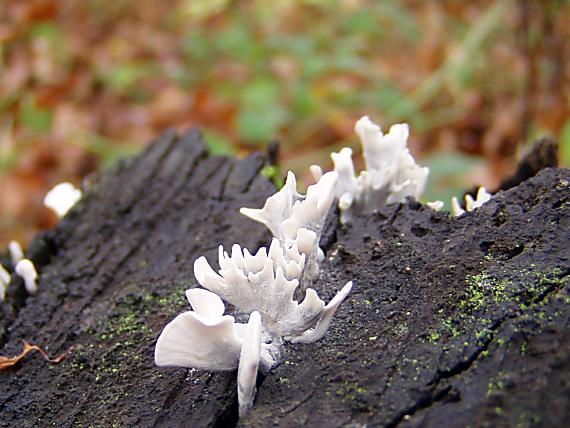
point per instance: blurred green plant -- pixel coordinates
(106, 149)
(446, 176)
(216, 143)
(34, 118)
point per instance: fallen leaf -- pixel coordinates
(8, 362)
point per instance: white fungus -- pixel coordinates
(16, 252)
(207, 339)
(482, 197)
(266, 283)
(470, 203)
(261, 285)
(4, 281)
(391, 173)
(26, 269)
(435, 205)
(204, 338)
(249, 363)
(62, 198)
(296, 219)
(456, 209)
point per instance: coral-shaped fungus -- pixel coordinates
(261, 285)
(391, 173)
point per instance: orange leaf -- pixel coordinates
(7, 362)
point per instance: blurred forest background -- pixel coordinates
(83, 83)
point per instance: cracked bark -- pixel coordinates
(452, 322)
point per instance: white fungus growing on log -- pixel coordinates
(470, 203)
(5, 278)
(296, 219)
(26, 269)
(391, 173)
(261, 285)
(62, 197)
(16, 252)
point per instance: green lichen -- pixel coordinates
(114, 351)
(351, 391)
(519, 293)
(496, 384)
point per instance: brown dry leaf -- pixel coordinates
(8, 362)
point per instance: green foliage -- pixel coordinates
(284, 68)
(124, 77)
(109, 151)
(216, 143)
(328, 43)
(445, 177)
(33, 117)
(261, 113)
(54, 40)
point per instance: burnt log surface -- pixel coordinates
(452, 321)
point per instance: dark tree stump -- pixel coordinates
(452, 322)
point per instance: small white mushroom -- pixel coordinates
(16, 252)
(262, 285)
(62, 198)
(4, 281)
(435, 205)
(456, 209)
(26, 269)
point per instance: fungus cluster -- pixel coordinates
(61, 198)
(22, 267)
(391, 173)
(262, 285)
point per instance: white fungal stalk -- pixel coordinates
(435, 205)
(205, 338)
(62, 198)
(4, 281)
(261, 285)
(26, 269)
(482, 197)
(249, 363)
(470, 203)
(16, 252)
(391, 173)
